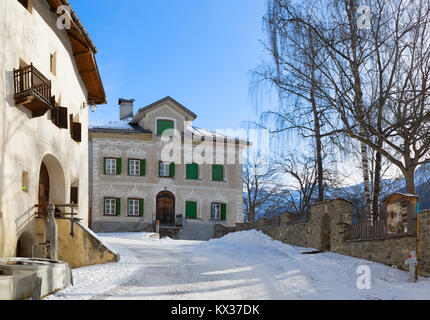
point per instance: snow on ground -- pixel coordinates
(242, 265)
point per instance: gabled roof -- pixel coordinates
(161, 101)
(399, 195)
(84, 52)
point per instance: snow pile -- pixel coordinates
(129, 235)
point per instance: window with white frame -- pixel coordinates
(164, 169)
(110, 166)
(110, 206)
(216, 211)
(134, 167)
(133, 207)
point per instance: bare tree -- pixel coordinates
(260, 188)
(295, 75)
(298, 176)
(396, 124)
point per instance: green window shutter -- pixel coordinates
(118, 166)
(104, 205)
(118, 206)
(192, 171)
(191, 209)
(104, 165)
(217, 172)
(163, 125)
(159, 170)
(141, 204)
(143, 167)
(223, 211)
(172, 169)
(128, 166)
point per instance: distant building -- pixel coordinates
(133, 184)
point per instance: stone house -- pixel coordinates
(49, 79)
(151, 166)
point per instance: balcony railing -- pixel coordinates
(33, 90)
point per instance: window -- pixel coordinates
(74, 195)
(53, 63)
(110, 166)
(111, 206)
(134, 167)
(217, 172)
(165, 127)
(25, 181)
(216, 211)
(133, 207)
(191, 210)
(166, 169)
(219, 211)
(192, 171)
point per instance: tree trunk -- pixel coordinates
(410, 180)
(365, 164)
(376, 186)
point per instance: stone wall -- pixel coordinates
(83, 249)
(324, 230)
(392, 250)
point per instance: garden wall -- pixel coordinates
(324, 230)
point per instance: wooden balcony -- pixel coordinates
(32, 90)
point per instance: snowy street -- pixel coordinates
(244, 265)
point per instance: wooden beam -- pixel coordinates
(82, 53)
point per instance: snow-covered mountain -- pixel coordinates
(354, 193)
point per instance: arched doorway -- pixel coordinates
(51, 186)
(24, 246)
(166, 208)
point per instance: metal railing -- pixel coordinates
(366, 230)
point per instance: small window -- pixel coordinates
(165, 127)
(110, 207)
(133, 207)
(134, 167)
(53, 63)
(216, 211)
(74, 195)
(111, 166)
(25, 181)
(164, 169)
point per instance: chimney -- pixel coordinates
(125, 108)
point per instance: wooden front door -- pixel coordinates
(43, 188)
(166, 208)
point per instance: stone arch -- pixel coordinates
(24, 246)
(57, 180)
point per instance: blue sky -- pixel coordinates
(200, 52)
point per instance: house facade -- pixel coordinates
(155, 166)
(49, 77)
